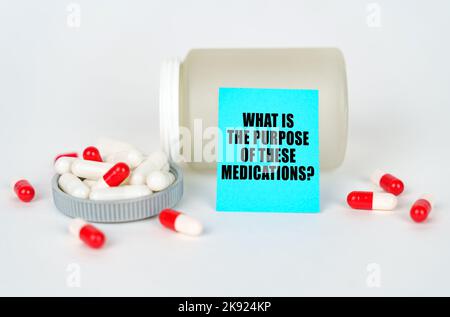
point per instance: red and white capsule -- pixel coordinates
(91, 153)
(114, 177)
(69, 154)
(179, 222)
(87, 233)
(388, 182)
(371, 200)
(421, 208)
(23, 190)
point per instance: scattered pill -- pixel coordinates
(114, 177)
(158, 180)
(421, 208)
(91, 153)
(120, 192)
(154, 162)
(180, 222)
(63, 164)
(87, 233)
(371, 200)
(23, 190)
(70, 154)
(73, 186)
(388, 182)
(90, 169)
(108, 146)
(131, 157)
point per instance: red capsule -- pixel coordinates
(91, 153)
(421, 209)
(24, 190)
(360, 200)
(117, 174)
(92, 236)
(87, 233)
(70, 154)
(167, 218)
(388, 182)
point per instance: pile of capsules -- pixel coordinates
(112, 170)
(366, 200)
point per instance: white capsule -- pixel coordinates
(132, 158)
(120, 192)
(158, 180)
(63, 164)
(154, 162)
(90, 169)
(108, 146)
(384, 201)
(89, 183)
(73, 186)
(188, 225)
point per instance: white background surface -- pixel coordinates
(61, 87)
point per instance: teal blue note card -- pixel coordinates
(268, 150)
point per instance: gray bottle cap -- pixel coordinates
(119, 210)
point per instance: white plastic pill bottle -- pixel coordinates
(189, 95)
